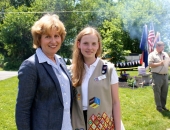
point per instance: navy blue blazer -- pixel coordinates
(39, 103)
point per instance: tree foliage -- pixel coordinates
(120, 24)
(16, 36)
(17, 3)
(112, 34)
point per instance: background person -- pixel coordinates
(159, 67)
(44, 88)
(96, 103)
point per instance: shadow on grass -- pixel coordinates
(166, 114)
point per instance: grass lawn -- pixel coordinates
(8, 91)
(138, 108)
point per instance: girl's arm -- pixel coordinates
(116, 106)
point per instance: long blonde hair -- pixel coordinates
(78, 59)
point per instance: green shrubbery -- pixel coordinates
(1, 61)
(131, 81)
(11, 63)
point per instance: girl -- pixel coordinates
(96, 104)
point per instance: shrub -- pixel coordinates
(12, 65)
(131, 81)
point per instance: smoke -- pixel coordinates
(164, 25)
(135, 14)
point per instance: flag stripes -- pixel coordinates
(151, 37)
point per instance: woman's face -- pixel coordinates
(89, 45)
(50, 43)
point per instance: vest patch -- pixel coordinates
(78, 96)
(104, 69)
(97, 122)
(94, 102)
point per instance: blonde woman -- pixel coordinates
(45, 92)
(96, 103)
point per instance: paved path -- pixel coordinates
(7, 74)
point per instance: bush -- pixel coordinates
(12, 65)
(1, 60)
(68, 62)
(131, 81)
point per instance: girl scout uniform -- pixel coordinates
(99, 112)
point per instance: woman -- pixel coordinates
(44, 94)
(96, 104)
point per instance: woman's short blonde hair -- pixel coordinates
(44, 25)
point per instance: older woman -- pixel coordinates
(45, 93)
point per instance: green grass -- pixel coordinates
(138, 110)
(137, 106)
(8, 91)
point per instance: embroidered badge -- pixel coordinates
(104, 69)
(78, 96)
(98, 122)
(94, 102)
(93, 126)
(99, 116)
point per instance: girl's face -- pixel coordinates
(88, 46)
(50, 43)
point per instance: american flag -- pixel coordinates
(151, 37)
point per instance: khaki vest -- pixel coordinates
(99, 114)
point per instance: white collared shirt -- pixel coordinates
(88, 73)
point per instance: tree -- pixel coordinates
(112, 34)
(3, 6)
(17, 3)
(120, 23)
(16, 36)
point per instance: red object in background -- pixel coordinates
(141, 59)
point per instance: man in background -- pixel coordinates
(158, 60)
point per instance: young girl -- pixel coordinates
(96, 103)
